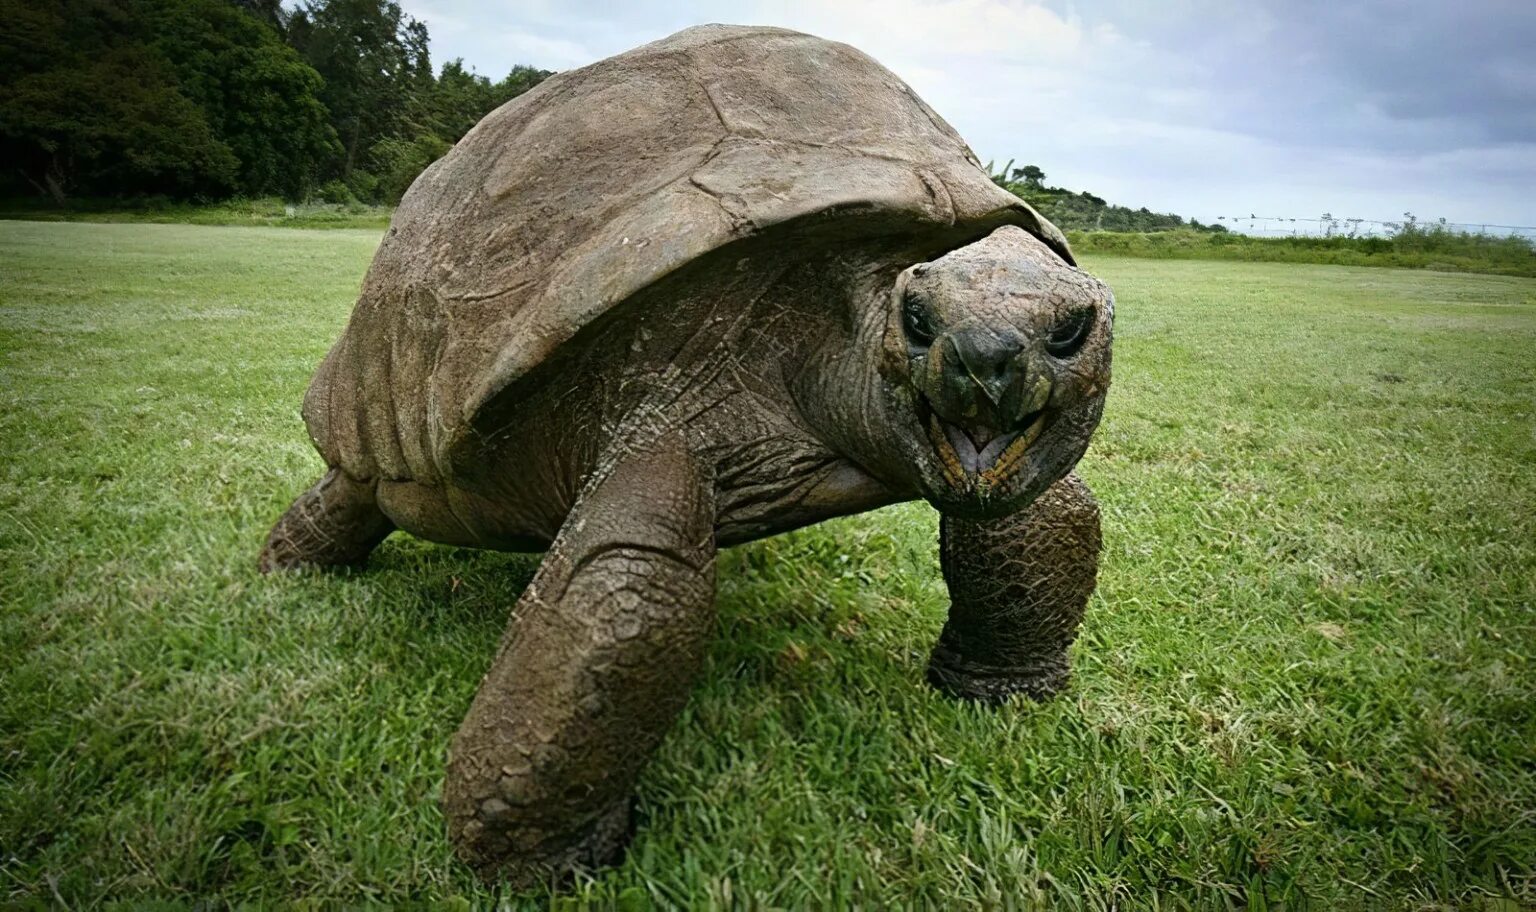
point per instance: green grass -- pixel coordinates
(1432, 247)
(1417, 247)
(1306, 679)
(261, 212)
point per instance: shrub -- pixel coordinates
(336, 193)
(1436, 247)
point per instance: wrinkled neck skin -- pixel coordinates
(843, 392)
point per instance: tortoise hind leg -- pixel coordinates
(335, 523)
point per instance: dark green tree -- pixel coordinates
(374, 63)
(180, 97)
(87, 107)
(258, 96)
(209, 98)
(461, 97)
(438, 117)
(1031, 175)
(269, 11)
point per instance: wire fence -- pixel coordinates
(1329, 226)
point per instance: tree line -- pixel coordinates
(212, 99)
(1083, 211)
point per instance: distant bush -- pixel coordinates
(336, 193)
(271, 210)
(397, 161)
(1414, 246)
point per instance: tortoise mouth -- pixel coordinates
(980, 458)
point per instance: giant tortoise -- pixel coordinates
(718, 287)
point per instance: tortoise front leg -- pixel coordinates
(594, 668)
(1018, 586)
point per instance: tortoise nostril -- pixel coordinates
(985, 355)
(984, 364)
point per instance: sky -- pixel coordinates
(1291, 108)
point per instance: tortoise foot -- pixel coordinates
(336, 523)
(503, 849)
(993, 683)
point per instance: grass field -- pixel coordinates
(1308, 678)
(262, 212)
(1422, 246)
(1434, 248)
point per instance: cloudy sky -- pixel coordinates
(1201, 107)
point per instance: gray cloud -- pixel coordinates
(1293, 107)
(1467, 66)
(1434, 76)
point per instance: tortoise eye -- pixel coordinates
(1067, 337)
(917, 319)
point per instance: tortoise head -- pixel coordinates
(996, 362)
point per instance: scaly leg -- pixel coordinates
(595, 666)
(335, 523)
(1018, 586)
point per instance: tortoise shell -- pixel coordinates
(564, 203)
